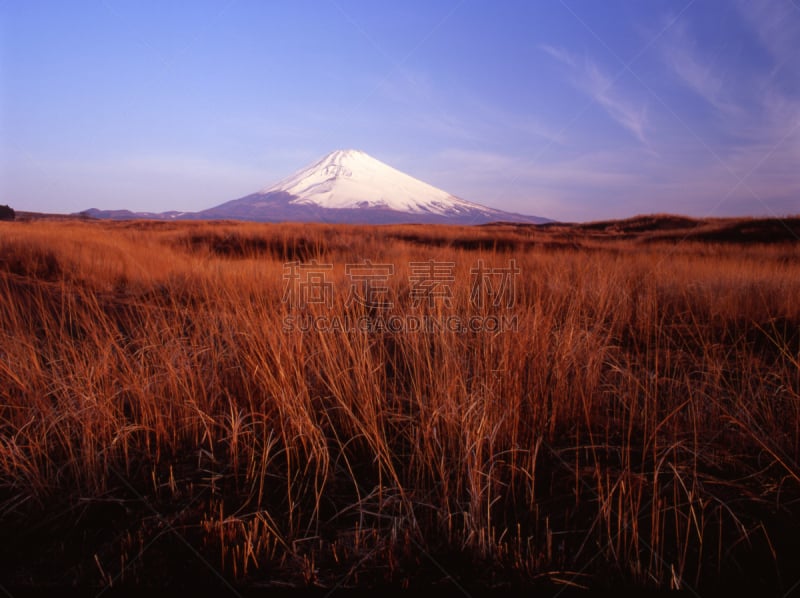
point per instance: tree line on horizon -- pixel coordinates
(7, 213)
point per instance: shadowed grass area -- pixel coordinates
(161, 420)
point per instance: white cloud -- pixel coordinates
(777, 25)
(591, 80)
(561, 189)
(696, 71)
(600, 87)
(559, 54)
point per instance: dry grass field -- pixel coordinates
(164, 421)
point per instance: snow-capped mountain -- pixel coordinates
(345, 186)
(353, 179)
(352, 186)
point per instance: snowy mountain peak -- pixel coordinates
(345, 186)
(343, 155)
(341, 162)
(352, 179)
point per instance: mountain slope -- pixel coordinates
(351, 186)
(347, 186)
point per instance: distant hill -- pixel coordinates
(668, 227)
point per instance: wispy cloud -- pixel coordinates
(571, 188)
(558, 53)
(422, 104)
(777, 25)
(695, 70)
(753, 146)
(490, 118)
(589, 78)
(600, 87)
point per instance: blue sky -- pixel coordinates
(574, 110)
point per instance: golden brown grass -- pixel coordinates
(641, 427)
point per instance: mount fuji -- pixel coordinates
(346, 186)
